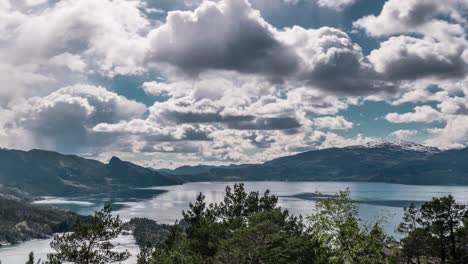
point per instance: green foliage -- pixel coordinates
(251, 228)
(89, 242)
(21, 221)
(269, 237)
(343, 236)
(436, 230)
(147, 232)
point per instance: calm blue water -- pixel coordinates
(378, 199)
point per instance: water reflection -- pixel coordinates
(377, 199)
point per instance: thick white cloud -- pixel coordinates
(16, 83)
(10, 20)
(436, 48)
(333, 122)
(108, 34)
(415, 16)
(63, 119)
(35, 2)
(451, 113)
(245, 104)
(238, 39)
(417, 95)
(72, 62)
(331, 61)
(411, 58)
(421, 114)
(453, 135)
(233, 87)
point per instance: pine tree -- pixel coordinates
(89, 242)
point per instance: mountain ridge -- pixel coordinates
(400, 162)
(42, 172)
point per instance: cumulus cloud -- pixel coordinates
(35, 2)
(333, 122)
(453, 135)
(421, 114)
(414, 16)
(410, 58)
(63, 119)
(107, 33)
(428, 39)
(420, 94)
(451, 114)
(233, 87)
(16, 82)
(332, 62)
(238, 39)
(72, 62)
(245, 104)
(243, 42)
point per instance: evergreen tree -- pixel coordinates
(30, 258)
(442, 217)
(89, 242)
(416, 241)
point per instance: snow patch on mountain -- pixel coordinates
(398, 145)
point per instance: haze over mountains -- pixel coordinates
(42, 172)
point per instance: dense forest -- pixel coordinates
(252, 228)
(21, 221)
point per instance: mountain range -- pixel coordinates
(398, 162)
(40, 172)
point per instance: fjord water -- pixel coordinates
(377, 200)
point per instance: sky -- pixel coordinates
(165, 83)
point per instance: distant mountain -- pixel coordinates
(398, 162)
(198, 169)
(42, 172)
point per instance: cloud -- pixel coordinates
(420, 94)
(404, 134)
(72, 62)
(16, 82)
(453, 135)
(63, 119)
(107, 34)
(409, 58)
(241, 41)
(333, 122)
(227, 35)
(245, 104)
(332, 62)
(274, 123)
(35, 2)
(230, 86)
(421, 114)
(414, 16)
(335, 4)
